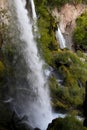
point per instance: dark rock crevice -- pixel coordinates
(85, 107)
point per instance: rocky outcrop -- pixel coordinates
(4, 20)
(66, 18)
(4, 12)
(10, 120)
(68, 123)
(3, 4)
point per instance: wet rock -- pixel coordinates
(9, 120)
(51, 125)
(24, 126)
(37, 129)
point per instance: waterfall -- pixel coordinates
(61, 39)
(34, 16)
(37, 104)
(33, 10)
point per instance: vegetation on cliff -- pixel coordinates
(69, 122)
(70, 94)
(47, 26)
(59, 3)
(72, 66)
(80, 33)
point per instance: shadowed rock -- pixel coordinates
(85, 107)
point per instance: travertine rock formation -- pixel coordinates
(67, 17)
(3, 4)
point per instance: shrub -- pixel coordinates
(80, 33)
(67, 123)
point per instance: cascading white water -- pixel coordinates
(61, 39)
(33, 10)
(37, 107)
(34, 16)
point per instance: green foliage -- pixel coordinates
(57, 2)
(65, 98)
(44, 40)
(80, 33)
(47, 26)
(3, 74)
(67, 123)
(60, 3)
(2, 70)
(72, 67)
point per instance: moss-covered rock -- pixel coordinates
(70, 94)
(2, 73)
(2, 68)
(67, 123)
(47, 26)
(72, 67)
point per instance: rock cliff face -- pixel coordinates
(3, 4)
(4, 12)
(67, 17)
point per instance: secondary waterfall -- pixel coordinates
(37, 104)
(33, 10)
(34, 16)
(61, 39)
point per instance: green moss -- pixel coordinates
(72, 67)
(2, 67)
(67, 123)
(74, 71)
(80, 33)
(2, 73)
(47, 26)
(59, 106)
(69, 64)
